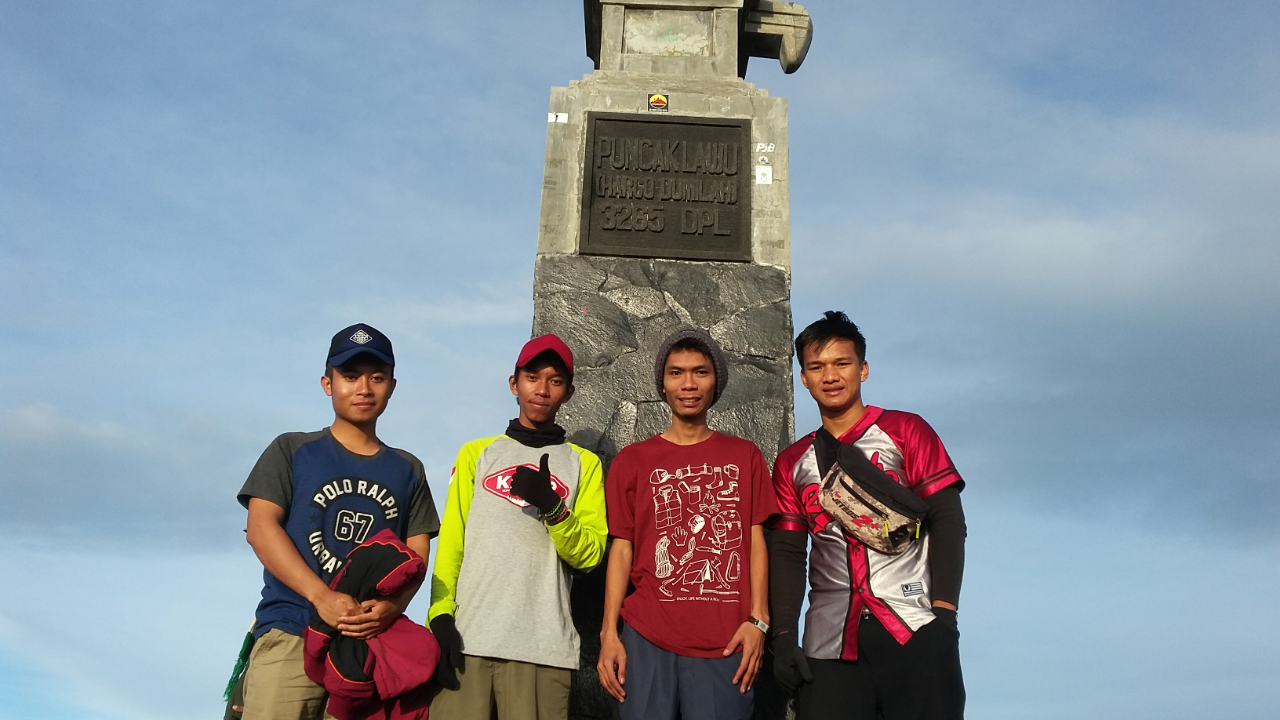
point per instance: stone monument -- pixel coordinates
(665, 203)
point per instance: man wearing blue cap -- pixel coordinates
(312, 497)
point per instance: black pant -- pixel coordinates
(917, 681)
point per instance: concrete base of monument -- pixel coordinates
(614, 312)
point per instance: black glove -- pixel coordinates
(790, 666)
(534, 487)
(946, 616)
(446, 633)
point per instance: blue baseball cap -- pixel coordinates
(359, 338)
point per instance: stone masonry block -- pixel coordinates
(600, 330)
(615, 312)
(762, 332)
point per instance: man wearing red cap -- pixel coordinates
(522, 509)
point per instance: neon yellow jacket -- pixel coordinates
(501, 571)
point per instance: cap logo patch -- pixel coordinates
(361, 337)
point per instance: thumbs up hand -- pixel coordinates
(534, 486)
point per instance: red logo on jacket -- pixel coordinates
(818, 517)
(875, 460)
(499, 483)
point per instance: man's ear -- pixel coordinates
(568, 393)
(866, 370)
(326, 384)
(391, 388)
(512, 380)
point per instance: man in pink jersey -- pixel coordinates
(880, 637)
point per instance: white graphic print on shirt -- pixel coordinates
(697, 556)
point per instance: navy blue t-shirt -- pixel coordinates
(333, 500)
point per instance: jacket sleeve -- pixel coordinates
(788, 551)
(453, 527)
(947, 533)
(579, 538)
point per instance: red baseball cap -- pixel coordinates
(544, 343)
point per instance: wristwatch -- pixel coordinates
(761, 625)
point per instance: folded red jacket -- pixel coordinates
(386, 676)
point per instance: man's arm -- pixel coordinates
(932, 476)
(759, 574)
(612, 666)
(378, 614)
(453, 527)
(444, 575)
(786, 581)
(788, 553)
(579, 538)
(266, 535)
(947, 532)
(748, 635)
(787, 558)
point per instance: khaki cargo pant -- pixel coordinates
(276, 686)
(519, 691)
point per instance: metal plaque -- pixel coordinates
(667, 187)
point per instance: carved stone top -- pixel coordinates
(695, 37)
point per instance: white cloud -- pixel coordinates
(138, 482)
(934, 170)
(41, 425)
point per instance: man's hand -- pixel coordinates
(375, 617)
(534, 486)
(751, 641)
(612, 667)
(446, 633)
(333, 606)
(946, 616)
(790, 666)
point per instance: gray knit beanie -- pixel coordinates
(709, 347)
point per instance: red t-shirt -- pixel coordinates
(688, 512)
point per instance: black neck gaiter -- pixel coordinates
(553, 435)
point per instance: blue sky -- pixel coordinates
(1056, 223)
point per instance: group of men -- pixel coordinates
(693, 591)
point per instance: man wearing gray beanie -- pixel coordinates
(686, 511)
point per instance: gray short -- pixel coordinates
(662, 685)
